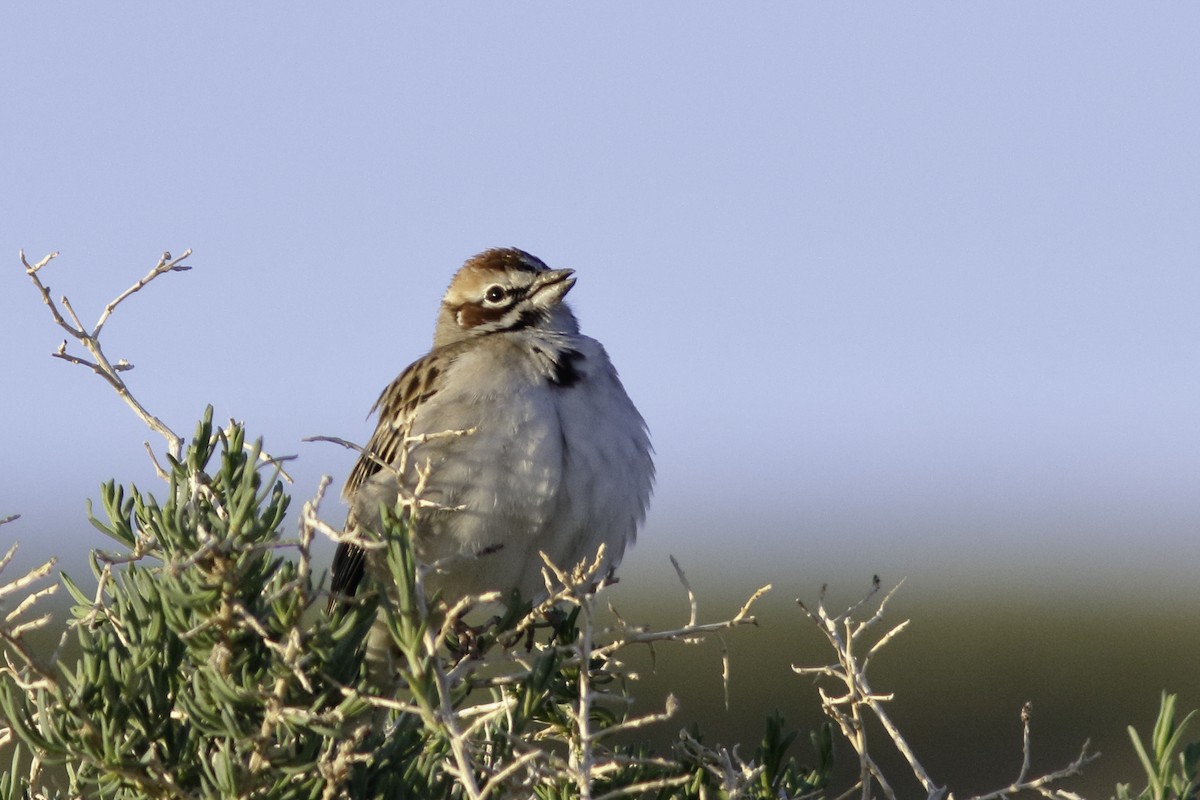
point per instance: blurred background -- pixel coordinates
(900, 290)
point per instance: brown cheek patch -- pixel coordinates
(472, 315)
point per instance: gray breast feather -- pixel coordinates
(559, 461)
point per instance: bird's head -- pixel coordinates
(504, 290)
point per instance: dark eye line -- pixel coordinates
(513, 294)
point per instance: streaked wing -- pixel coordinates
(347, 572)
(396, 407)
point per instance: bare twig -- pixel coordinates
(13, 632)
(691, 596)
(843, 632)
(1041, 783)
(165, 264)
(90, 340)
(409, 497)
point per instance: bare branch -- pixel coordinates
(14, 633)
(691, 596)
(1023, 783)
(165, 264)
(100, 363)
(842, 631)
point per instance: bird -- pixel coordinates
(527, 437)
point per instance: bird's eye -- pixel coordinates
(494, 294)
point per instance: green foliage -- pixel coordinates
(208, 668)
(781, 778)
(1170, 765)
(200, 670)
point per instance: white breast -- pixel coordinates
(553, 468)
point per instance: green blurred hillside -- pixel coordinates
(1092, 661)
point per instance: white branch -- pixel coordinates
(100, 363)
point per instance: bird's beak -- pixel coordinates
(549, 288)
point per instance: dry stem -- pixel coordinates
(843, 632)
(100, 363)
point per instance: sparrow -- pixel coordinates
(518, 433)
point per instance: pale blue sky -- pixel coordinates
(909, 290)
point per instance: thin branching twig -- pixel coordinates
(90, 340)
(850, 708)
